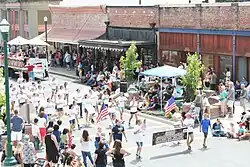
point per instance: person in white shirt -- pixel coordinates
(66, 92)
(139, 131)
(189, 124)
(42, 125)
(59, 105)
(53, 86)
(78, 98)
(73, 112)
(121, 101)
(133, 110)
(22, 98)
(49, 107)
(105, 97)
(67, 59)
(206, 105)
(94, 99)
(36, 134)
(40, 91)
(35, 100)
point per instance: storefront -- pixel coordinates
(109, 51)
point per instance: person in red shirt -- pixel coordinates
(31, 72)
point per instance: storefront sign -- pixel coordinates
(169, 136)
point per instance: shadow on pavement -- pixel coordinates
(170, 155)
(135, 161)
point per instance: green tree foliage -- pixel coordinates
(190, 80)
(129, 63)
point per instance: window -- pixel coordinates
(26, 15)
(16, 17)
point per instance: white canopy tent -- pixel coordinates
(37, 41)
(18, 41)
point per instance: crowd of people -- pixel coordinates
(51, 102)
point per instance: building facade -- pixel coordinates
(26, 17)
(220, 32)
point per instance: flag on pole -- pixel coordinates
(103, 113)
(170, 106)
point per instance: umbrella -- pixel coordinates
(18, 41)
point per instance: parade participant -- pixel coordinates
(49, 108)
(28, 153)
(121, 100)
(53, 86)
(112, 114)
(205, 124)
(73, 112)
(61, 91)
(42, 126)
(118, 153)
(17, 124)
(105, 98)
(117, 132)
(59, 105)
(66, 92)
(189, 123)
(85, 147)
(52, 148)
(22, 98)
(133, 110)
(139, 133)
(40, 92)
(36, 134)
(57, 133)
(35, 100)
(79, 98)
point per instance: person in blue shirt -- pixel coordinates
(57, 133)
(117, 131)
(205, 124)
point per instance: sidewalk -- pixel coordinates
(62, 71)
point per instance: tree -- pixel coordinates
(129, 63)
(190, 81)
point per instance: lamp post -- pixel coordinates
(45, 19)
(107, 22)
(4, 28)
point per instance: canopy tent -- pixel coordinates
(18, 41)
(164, 72)
(37, 41)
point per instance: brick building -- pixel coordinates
(26, 16)
(219, 32)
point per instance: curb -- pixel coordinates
(62, 74)
(155, 118)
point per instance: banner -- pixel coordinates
(169, 136)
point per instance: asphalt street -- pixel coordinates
(220, 152)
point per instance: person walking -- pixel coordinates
(52, 148)
(118, 153)
(100, 157)
(133, 110)
(231, 99)
(189, 124)
(117, 131)
(222, 98)
(139, 133)
(79, 98)
(28, 153)
(85, 147)
(205, 124)
(17, 124)
(243, 97)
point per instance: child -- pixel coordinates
(72, 151)
(205, 124)
(36, 134)
(59, 123)
(64, 138)
(241, 130)
(231, 131)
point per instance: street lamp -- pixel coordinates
(4, 28)
(45, 19)
(107, 23)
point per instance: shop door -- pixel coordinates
(225, 62)
(242, 68)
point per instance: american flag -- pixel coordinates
(170, 106)
(103, 113)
